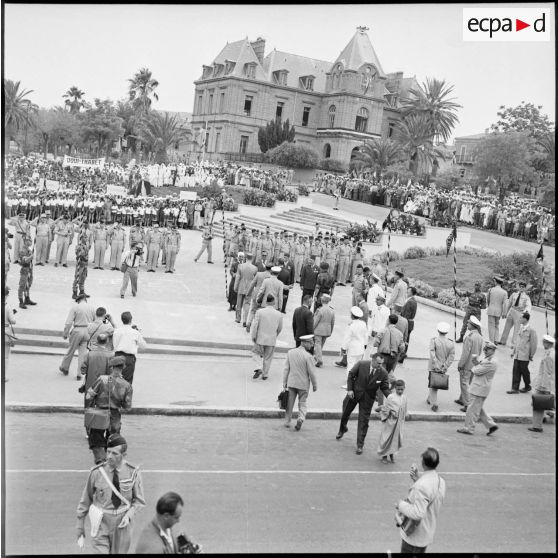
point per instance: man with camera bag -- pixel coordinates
(130, 268)
(103, 324)
(96, 362)
(111, 497)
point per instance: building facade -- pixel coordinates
(334, 106)
(464, 148)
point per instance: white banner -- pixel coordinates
(116, 190)
(53, 185)
(188, 195)
(83, 163)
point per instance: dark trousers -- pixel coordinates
(469, 311)
(407, 548)
(521, 371)
(129, 367)
(98, 438)
(306, 292)
(285, 299)
(389, 361)
(364, 409)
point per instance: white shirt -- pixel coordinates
(379, 319)
(356, 336)
(128, 340)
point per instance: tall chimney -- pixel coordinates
(259, 48)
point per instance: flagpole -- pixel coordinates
(455, 279)
(224, 244)
(544, 288)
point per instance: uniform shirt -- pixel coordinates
(111, 389)
(477, 300)
(299, 369)
(496, 300)
(128, 340)
(81, 314)
(442, 353)
(524, 304)
(472, 345)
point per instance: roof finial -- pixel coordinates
(363, 29)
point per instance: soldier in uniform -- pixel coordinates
(254, 246)
(115, 529)
(207, 237)
(51, 224)
(111, 392)
(266, 248)
(316, 251)
(325, 284)
(299, 250)
(100, 236)
(42, 236)
(344, 255)
(330, 255)
(153, 241)
(82, 259)
(357, 258)
(243, 239)
(360, 285)
(477, 302)
(116, 239)
(227, 238)
(25, 259)
(234, 243)
(164, 230)
(137, 234)
(22, 229)
(64, 231)
(172, 247)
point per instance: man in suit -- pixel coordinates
(272, 286)
(522, 353)
(483, 373)
(309, 277)
(286, 276)
(303, 321)
(399, 290)
(518, 303)
(266, 327)
(325, 284)
(244, 276)
(324, 322)
(365, 378)
(496, 300)
(253, 291)
(409, 311)
(472, 345)
(157, 536)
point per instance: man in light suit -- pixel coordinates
(244, 276)
(399, 293)
(253, 291)
(324, 322)
(365, 378)
(518, 303)
(472, 345)
(522, 353)
(496, 301)
(483, 373)
(272, 286)
(266, 327)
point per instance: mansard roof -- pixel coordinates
(297, 67)
(241, 53)
(359, 51)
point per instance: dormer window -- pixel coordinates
(207, 72)
(217, 70)
(367, 76)
(229, 66)
(307, 83)
(250, 70)
(280, 77)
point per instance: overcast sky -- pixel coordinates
(98, 47)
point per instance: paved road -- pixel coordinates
(253, 486)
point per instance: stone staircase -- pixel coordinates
(309, 217)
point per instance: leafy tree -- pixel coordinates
(507, 157)
(74, 99)
(159, 132)
(55, 128)
(294, 155)
(274, 134)
(525, 117)
(448, 179)
(334, 165)
(18, 111)
(378, 155)
(101, 127)
(141, 89)
(431, 101)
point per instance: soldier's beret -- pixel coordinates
(117, 361)
(116, 440)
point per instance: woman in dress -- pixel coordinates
(392, 415)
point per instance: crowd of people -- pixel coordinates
(515, 216)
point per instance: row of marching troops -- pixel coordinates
(343, 254)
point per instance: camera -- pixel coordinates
(186, 546)
(81, 389)
(106, 319)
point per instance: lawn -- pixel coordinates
(437, 271)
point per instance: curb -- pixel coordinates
(251, 412)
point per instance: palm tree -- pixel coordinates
(18, 111)
(74, 99)
(548, 145)
(159, 132)
(378, 155)
(414, 134)
(431, 100)
(141, 88)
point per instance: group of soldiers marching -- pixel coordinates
(343, 254)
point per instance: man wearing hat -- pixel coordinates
(25, 274)
(298, 259)
(272, 286)
(245, 274)
(172, 247)
(266, 327)
(100, 236)
(286, 276)
(80, 316)
(518, 303)
(132, 259)
(298, 374)
(207, 237)
(343, 259)
(324, 322)
(476, 303)
(374, 291)
(96, 361)
(355, 338)
(472, 345)
(496, 301)
(325, 284)
(22, 229)
(137, 233)
(64, 231)
(482, 375)
(153, 242)
(115, 488)
(42, 236)
(544, 382)
(253, 291)
(117, 240)
(399, 292)
(442, 353)
(309, 277)
(82, 258)
(522, 353)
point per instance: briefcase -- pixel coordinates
(99, 419)
(438, 380)
(282, 399)
(543, 401)
(124, 267)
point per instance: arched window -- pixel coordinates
(327, 151)
(332, 116)
(361, 121)
(354, 152)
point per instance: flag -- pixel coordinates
(397, 183)
(452, 237)
(409, 183)
(387, 222)
(374, 175)
(540, 257)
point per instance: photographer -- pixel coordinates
(157, 536)
(130, 265)
(103, 324)
(127, 340)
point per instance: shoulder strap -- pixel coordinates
(113, 488)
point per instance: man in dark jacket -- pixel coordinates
(309, 278)
(409, 310)
(303, 320)
(286, 275)
(325, 283)
(365, 378)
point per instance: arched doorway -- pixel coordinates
(327, 151)
(354, 152)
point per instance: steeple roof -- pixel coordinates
(241, 53)
(359, 51)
